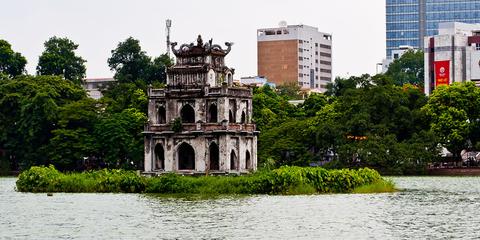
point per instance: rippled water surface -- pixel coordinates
(428, 208)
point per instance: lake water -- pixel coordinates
(427, 208)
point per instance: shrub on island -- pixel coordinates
(285, 180)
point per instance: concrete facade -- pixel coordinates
(295, 54)
(93, 86)
(200, 123)
(459, 45)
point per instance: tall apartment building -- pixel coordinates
(409, 21)
(295, 54)
(453, 55)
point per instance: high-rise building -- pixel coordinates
(295, 54)
(409, 21)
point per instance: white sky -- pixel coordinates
(358, 27)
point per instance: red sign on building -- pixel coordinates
(442, 73)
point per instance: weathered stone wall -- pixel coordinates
(227, 143)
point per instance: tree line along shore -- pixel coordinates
(384, 122)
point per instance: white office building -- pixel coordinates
(452, 56)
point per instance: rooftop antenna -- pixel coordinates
(168, 25)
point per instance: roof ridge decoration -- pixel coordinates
(186, 50)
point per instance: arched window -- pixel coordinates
(162, 115)
(248, 162)
(229, 78)
(244, 118)
(212, 113)
(186, 157)
(159, 157)
(233, 160)
(214, 157)
(188, 114)
(231, 117)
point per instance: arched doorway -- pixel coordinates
(233, 160)
(214, 157)
(248, 163)
(212, 113)
(243, 117)
(188, 114)
(159, 157)
(186, 157)
(162, 115)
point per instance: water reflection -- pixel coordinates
(428, 208)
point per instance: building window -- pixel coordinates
(300, 41)
(300, 66)
(326, 70)
(316, 44)
(300, 49)
(316, 53)
(300, 58)
(316, 69)
(316, 60)
(300, 74)
(477, 46)
(325, 46)
(325, 54)
(326, 63)
(188, 114)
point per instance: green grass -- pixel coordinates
(283, 181)
(384, 186)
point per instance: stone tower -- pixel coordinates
(200, 122)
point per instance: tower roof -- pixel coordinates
(201, 49)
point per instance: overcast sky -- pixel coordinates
(358, 27)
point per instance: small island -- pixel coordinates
(284, 180)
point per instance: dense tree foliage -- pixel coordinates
(132, 65)
(364, 121)
(29, 110)
(11, 63)
(383, 121)
(409, 68)
(59, 59)
(455, 116)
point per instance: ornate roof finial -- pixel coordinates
(199, 41)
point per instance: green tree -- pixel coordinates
(73, 141)
(132, 65)
(409, 68)
(29, 110)
(59, 59)
(313, 104)
(291, 91)
(129, 62)
(120, 139)
(11, 63)
(455, 112)
(270, 108)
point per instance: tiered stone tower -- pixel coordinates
(200, 122)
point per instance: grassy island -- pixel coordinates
(285, 180)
